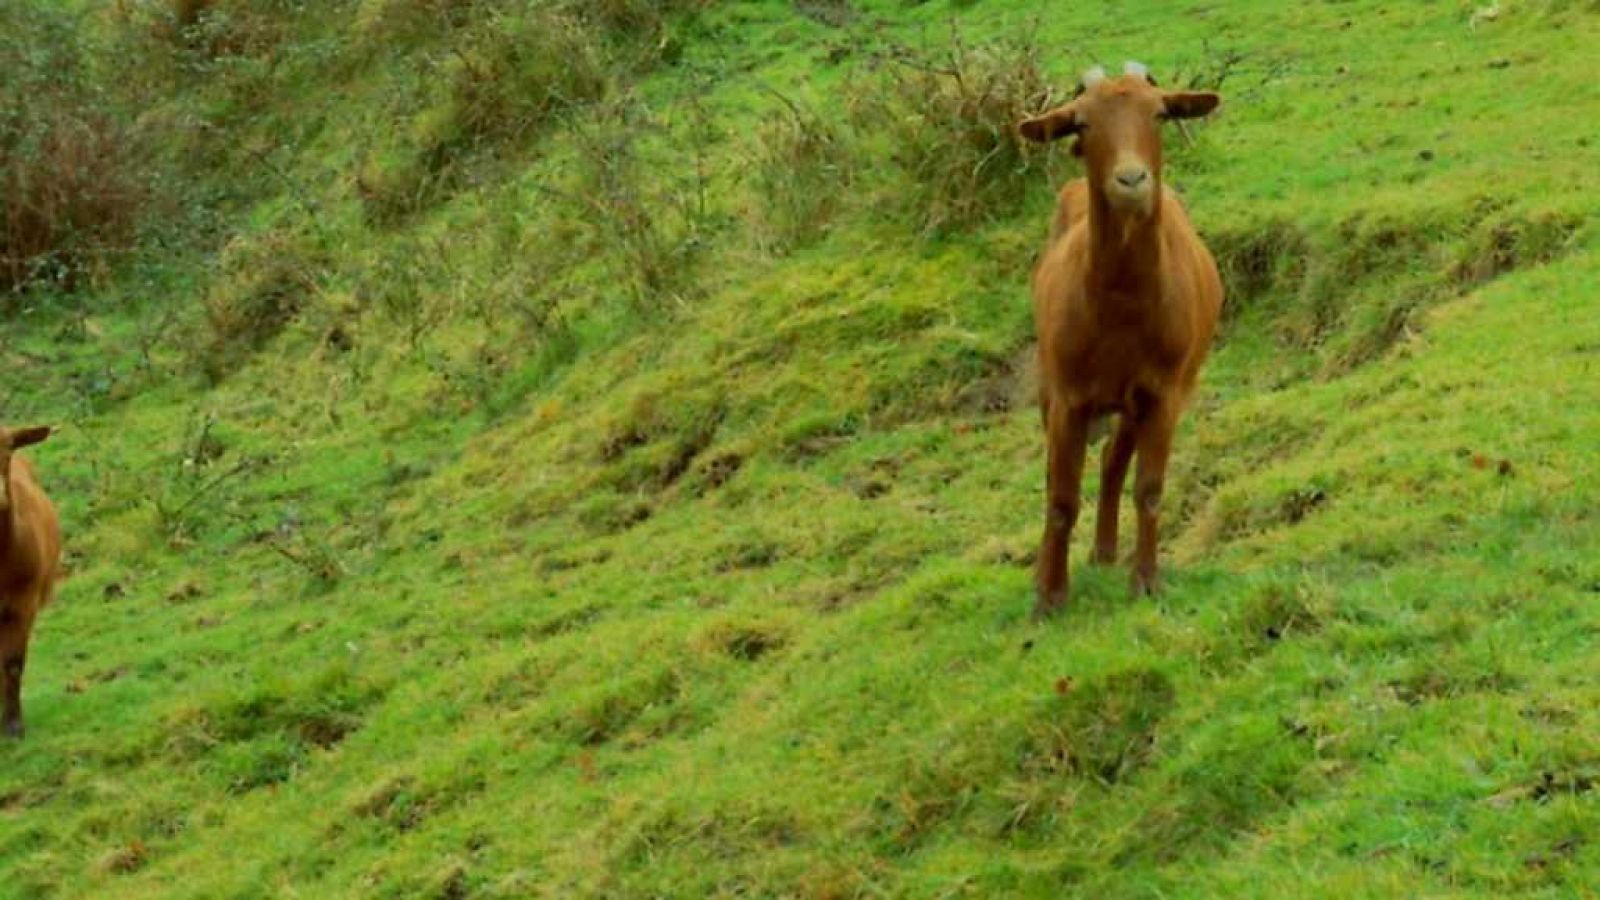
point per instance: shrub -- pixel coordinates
(511, 76)
(69, 189)
(947, 121)
(801, 169)
(264, 282)
(384, 21)
(393, 183)
(642, 22)
(212, 29)
(502, 80)
(645, 227)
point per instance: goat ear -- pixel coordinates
(1189, 104)
(1051, 126)
(26, 437)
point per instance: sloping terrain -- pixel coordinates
(571, 449)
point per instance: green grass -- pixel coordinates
(531, 555)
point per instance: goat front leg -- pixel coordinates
(1067, 432)
(1155, 449)
(1113, 473)
(14, 628)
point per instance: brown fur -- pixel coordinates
(30, 560)
(1126, 298)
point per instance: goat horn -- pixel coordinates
(1094, 75)
(1136, 68)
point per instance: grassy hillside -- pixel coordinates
(558, 449)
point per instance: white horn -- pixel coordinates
(1096, 74)
(1136, 68)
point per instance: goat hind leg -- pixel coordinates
(1113, 473)
(1155, 449)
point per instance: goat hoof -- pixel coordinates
(13, 730)
(1102, 557)
(1146, 585)
(1049, 604)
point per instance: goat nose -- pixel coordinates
(1132, 178)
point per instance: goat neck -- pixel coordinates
(1124, 246)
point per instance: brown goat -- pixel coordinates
(30, 559)
(1125, 299)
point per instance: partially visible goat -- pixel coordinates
(30, 560)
